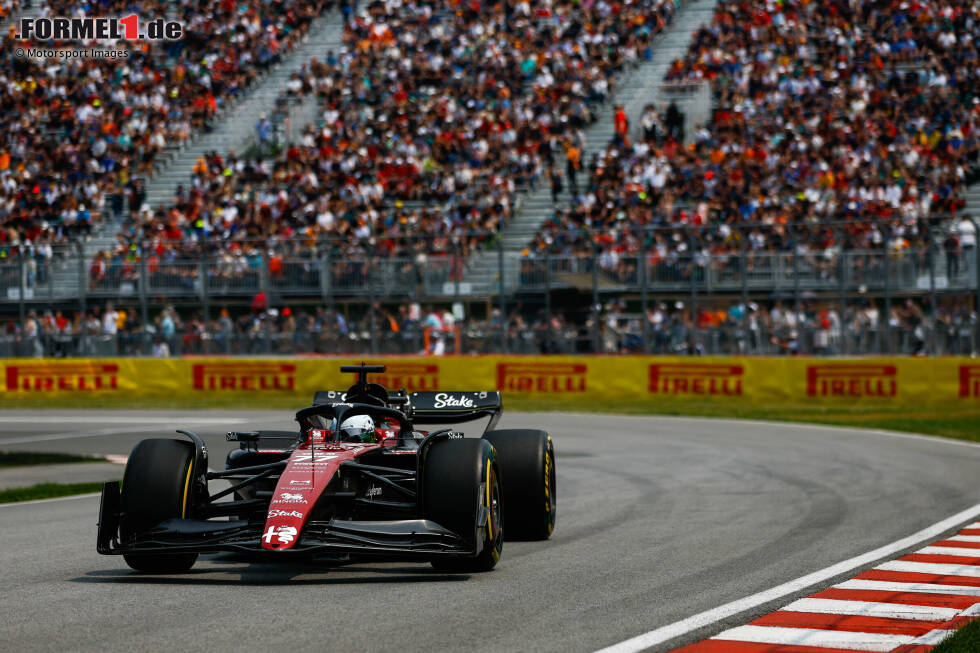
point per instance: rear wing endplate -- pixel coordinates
(454, 407)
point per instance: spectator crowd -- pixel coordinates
(837, 125)
(78, 130)
(433, 116)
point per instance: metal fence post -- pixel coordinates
(503, 300)
(842, 283)
(976, 289)
(457, 271)
(644, 301)
(887, 322)
(82, 279)
(21, 271)
(264, 281)
(931, 260)
(144, 289)
(595, 296)
(325, 276)
(745, 289)
(202, 274)
(694, 286)
(372, 298)
(547, 300)
(796, 282)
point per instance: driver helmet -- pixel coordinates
(359, 428)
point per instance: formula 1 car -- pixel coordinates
(358, 481)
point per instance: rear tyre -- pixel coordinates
(157, 486)
(527, 469)
(461, 482)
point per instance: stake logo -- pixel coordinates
(70, 377)
(541, 377)
(970, 381)
(414, 377)
(696, 379)
(243, 376)
(851, 380)
(86, 28)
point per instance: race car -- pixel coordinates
(358, 481)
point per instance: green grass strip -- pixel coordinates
(47, 491)
(964, 640)
(22, 458)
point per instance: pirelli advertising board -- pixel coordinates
(903, 381)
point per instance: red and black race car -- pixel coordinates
(358, 481)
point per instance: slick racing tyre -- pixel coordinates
(156, 486)
(527, 470)
(461, 483)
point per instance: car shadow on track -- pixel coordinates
(228, 570)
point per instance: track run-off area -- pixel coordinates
(669, 529)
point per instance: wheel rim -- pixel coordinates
(550, 488)
(496, 523)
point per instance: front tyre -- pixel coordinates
(157, 486)
(462, 492)
(527, 467)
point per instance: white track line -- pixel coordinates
(964, 538)
(940, 569)
(959, 551)
(76, 434)
(932, 638)
(872, 609)
(708, 617)
(889, 586)
(37, 501)
(815, 637)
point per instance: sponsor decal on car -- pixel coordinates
(373, 491)
(243, 376)
(970, 381)
(55, 377)
(300, 482)
(414, 377)
(285, 513)
(290, 497)
(444, 400)
(851, 380)
(313, 458)
(696, 379)
(282, 534)
(318, 436)
(541, 377)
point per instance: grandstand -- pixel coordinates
(656, 172)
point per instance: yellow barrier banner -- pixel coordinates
(659, 380)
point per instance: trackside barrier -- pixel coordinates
(913, 382)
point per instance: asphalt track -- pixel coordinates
(658, 519)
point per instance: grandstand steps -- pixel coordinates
(634, 89)
(234, 131)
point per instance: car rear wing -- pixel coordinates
(454, 407)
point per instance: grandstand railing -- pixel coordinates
(325, 276)
(630, 335)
